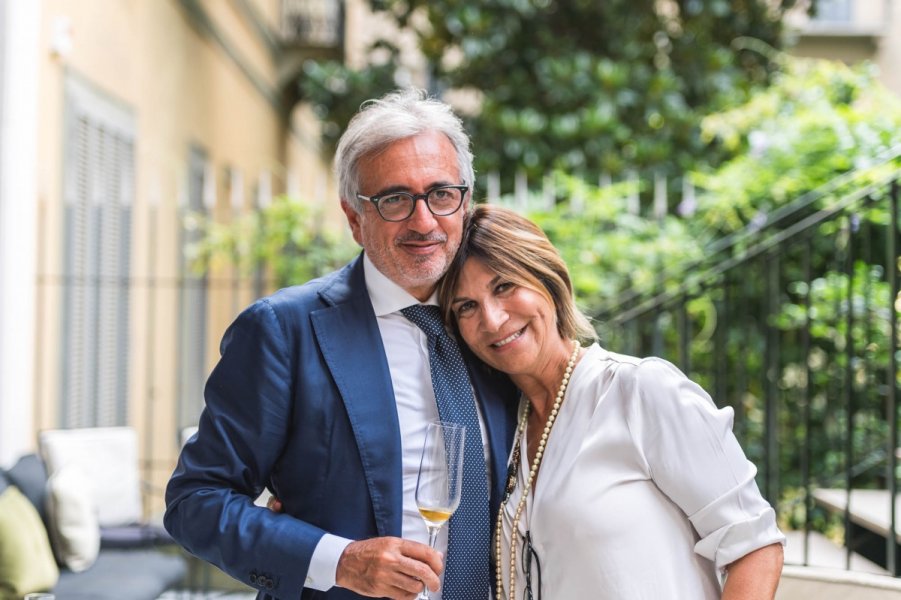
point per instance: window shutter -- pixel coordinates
(98, 197)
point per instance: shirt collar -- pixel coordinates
(386, 296)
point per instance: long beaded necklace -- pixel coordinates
(512, 475)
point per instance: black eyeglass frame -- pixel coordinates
(528, 554)
(462, 188)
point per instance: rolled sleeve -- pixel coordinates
(694, 458)
(735, 524)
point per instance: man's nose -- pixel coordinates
(422, 220)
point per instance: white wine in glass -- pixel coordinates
(440, 477)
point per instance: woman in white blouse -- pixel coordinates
(625, 480)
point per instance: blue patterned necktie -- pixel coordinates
(466, 568)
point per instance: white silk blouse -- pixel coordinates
(643, 493)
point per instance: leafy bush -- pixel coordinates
(289, 239)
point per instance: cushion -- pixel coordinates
(108, 457)
(124, 575)
(74, 532)
(135, 536)
(30, 476)
(26, 561)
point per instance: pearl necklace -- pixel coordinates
(512, 475)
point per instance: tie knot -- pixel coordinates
(427, 317)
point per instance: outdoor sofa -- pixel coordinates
(50, 540)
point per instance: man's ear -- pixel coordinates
(353, 219)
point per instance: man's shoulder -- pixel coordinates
(331, 288)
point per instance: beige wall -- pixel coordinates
(157, 60)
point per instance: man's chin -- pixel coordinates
(423, 275)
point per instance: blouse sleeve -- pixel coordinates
(694, 458)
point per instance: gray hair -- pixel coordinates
(393, 117)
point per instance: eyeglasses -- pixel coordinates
(528, 556)
(398, 206)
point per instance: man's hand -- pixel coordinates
(389, 567)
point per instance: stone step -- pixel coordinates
(818, 583)
(823, 552)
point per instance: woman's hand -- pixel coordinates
(754, 576)
(274, 504)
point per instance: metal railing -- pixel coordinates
(794, 323)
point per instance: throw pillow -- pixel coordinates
(26, 561)
(108, 457)
(72, 517)
(30, 476)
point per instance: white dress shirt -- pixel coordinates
(643, 492)
(416, 407)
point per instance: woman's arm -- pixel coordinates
(754, 576)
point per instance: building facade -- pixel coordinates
(119, 122)
(852, 31)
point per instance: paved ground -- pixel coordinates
(212, 595)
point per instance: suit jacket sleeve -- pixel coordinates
(242, 432)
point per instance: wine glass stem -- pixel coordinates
(433, 537)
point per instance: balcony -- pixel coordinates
(315, 26)
(847, 30)
(308, 30)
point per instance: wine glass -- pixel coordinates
(440, 477)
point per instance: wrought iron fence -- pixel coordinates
(793, 322)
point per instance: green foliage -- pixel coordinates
(609, 251)
(584, 86)
(817, 120)
(638, 255)
(288, 238)
(336, 91)
(825, 303)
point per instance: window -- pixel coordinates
(833, 11)
(98, 185)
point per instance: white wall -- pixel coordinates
(19, 37)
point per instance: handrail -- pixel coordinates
(617, 314)
(802, 202)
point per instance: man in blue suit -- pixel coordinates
(323, 393)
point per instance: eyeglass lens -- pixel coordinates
(441, 201)
(528, 557)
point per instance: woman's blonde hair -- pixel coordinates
(518, 251)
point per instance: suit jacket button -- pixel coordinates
(269, 584)
(253, 578)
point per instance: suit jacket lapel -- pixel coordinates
(352, 347)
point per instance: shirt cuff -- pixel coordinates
(324, 563)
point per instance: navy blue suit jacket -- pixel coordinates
(301, 402)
